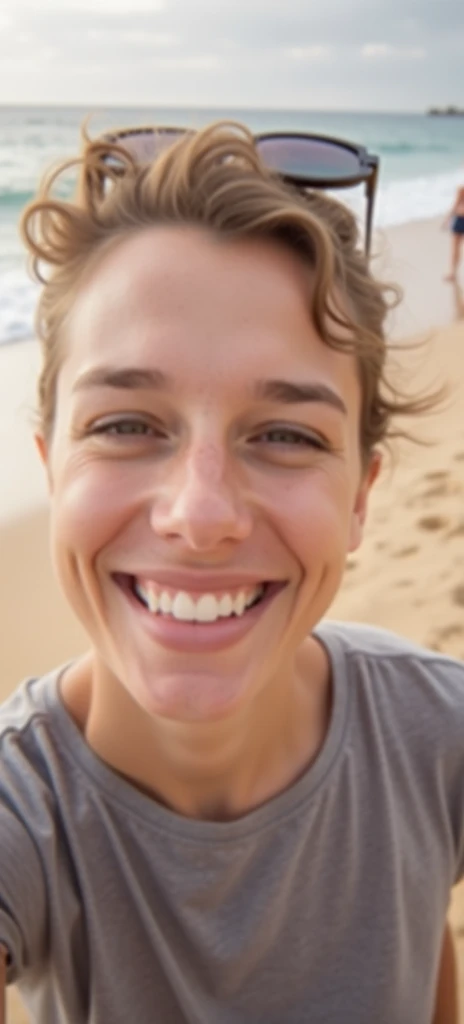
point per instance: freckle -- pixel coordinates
(209, 462)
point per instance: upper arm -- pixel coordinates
(23, 904)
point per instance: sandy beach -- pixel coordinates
(409, 574)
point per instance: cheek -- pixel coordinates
(88, 509)
(316, 518)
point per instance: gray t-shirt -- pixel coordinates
(325, 905)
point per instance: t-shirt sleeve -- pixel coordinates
(22, 896)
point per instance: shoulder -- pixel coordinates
(26, 706)
(27, 820)
(406, 727)
(29, 745)
(373, 642)
(397, 670)
(403, 697)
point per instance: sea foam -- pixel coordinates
(18, 298)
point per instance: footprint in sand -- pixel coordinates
(448, 636)
(457, 595)
(454, 629)
(432, 523)
(457, 531)
(443, 484)
(403, 583)
(436, 474)
(459, 457)
(405, 552)
(438, 491)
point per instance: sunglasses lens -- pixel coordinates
(143, 146)
(307, 159)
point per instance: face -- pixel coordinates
(204, 469)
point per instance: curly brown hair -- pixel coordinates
(215, 179)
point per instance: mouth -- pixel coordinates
(206, 608)
(200, 620)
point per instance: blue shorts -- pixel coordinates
(457, 226)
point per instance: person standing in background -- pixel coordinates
(455, 220)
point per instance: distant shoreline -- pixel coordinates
(445, 112)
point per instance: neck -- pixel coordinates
(216, 771)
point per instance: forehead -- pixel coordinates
(207, 308)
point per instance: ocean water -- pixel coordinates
(421, 165)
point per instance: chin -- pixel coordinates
(193, 696)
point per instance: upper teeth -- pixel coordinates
(206, 608)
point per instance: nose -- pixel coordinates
(201, 504)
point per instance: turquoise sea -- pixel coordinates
(421, 165)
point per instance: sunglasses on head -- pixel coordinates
(301, 159)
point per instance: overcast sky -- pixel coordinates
(324, 54)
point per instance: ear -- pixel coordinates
(44, 455)
(360, 507)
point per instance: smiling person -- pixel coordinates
(230, 809)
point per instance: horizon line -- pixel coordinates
(207, 107)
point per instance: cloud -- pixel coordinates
(236, 53)
(111, 8)
(309, 53)
(135, 38)
(205, 62)
(379, 51)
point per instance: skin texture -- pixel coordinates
(203, 488)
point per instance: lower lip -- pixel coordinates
(198, 636)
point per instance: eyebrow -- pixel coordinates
(129, 378)
(295, 393)
(133, 378)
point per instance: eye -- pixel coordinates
(127, 427)
(291, 438)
